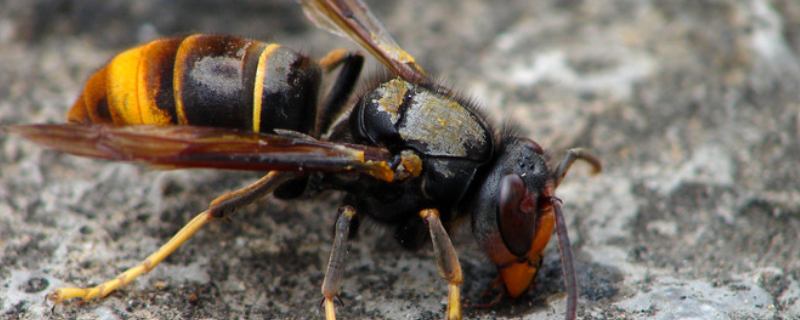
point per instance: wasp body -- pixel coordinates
(408, 153)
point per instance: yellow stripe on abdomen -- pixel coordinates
(181, 57)
(149, 81)
(122, 92)
(258, 89)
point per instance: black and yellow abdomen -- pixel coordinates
(204, 80)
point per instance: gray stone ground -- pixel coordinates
(693, 105)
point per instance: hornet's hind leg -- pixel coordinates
(219, 208)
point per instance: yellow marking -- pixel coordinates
(395, 52)
(412, 163)
(380, 170)
(179, 77)
(258, 90)
(330, 313)
(123, 103)
(441, 122)
(429, 214)
(454, 303)
(392, 95)
(85, 109)
(332, 60)
(147, 90)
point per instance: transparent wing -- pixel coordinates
(352, 18)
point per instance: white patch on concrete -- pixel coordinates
(788, 299)
(663, 227)
(105, 313)
(623, 68)
(710, 164)
(617, 258)
(13, 293)
(196, 272)
(672, 298)
(768, 41)
(613, 207)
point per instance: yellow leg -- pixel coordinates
(447, 260)
(330, 312)
(334, 273)
(61, 294)
(219, 208)
(454, 303)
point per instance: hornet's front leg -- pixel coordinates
(446, 258)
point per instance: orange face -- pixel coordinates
(518, 272)
(515, 216)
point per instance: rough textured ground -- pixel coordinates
(694, 106)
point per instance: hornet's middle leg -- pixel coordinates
(335, 272)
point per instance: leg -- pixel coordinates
(449, 267)
(337, 97)
(488, 291)
(335, 270)
(219, 208)
(225, 204)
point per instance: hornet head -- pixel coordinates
(516, 210)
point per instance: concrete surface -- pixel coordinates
(693, 106)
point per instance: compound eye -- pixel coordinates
(517, 215)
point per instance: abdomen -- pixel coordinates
(204, 80)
